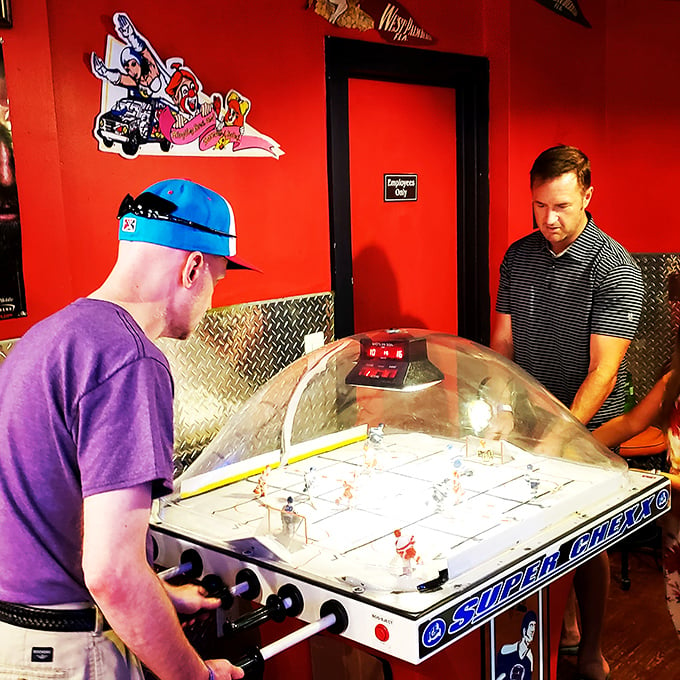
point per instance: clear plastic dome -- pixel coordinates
(391, 458)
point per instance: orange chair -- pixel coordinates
(644, 451)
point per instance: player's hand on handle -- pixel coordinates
(221, 669)
(190, 598)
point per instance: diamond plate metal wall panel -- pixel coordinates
(233, 352)
(5, 347)
(237, 349)
(257, 427)
(653, 345)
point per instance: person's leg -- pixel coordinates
(30, 653)
(670, 526)
(591, 584)
(111, 660)
(571, 633)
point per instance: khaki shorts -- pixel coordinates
(27, 654)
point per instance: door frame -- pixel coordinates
(469, 77)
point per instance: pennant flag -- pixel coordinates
(569, 9)
(392, 20)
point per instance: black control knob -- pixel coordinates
(287, 602)
(252, 664)
(215, 587)
(248, 578)
(192, 558)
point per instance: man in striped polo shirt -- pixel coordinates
(568, 305)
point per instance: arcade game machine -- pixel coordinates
(404, 493)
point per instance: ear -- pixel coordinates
(192, 268)
(587, 196)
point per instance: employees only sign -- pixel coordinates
(401, 188)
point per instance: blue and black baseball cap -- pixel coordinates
(181, 214)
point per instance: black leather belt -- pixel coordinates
(60, 620)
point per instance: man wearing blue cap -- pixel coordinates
(86, 444)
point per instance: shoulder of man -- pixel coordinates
(529, 242)
(608, 245)
(616, 270)
(94, 328)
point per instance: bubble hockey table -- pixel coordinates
(509, 524)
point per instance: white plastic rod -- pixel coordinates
(239, 588)
(296, 636)
(171, 572)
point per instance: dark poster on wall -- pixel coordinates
(569, 9)
(12, 295)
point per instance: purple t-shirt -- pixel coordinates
(85, 407)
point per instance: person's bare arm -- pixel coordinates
(642, 415)
(501, 340)
(606, 354)
(130, 595)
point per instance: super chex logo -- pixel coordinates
(434, 632)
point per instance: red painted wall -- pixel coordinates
(605, 89)
(642, 132)
(271, 52)
(47, 265)
(547, 88)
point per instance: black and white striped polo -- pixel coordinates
(557, 302)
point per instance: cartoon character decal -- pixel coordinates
(148, 104)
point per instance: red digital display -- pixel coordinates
(391, 351)
(383, 362)
(372, 371)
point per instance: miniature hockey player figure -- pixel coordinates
(260, 489)
(310, 478)
(373, 444)
(531, 479)
(457, 487)
(406, 549)
(289, 519)
(347, 491)
(440, 492)
(370, 457)
(459, 465)
(376, 434)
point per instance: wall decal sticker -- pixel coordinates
(155, 107)
(518, 641)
